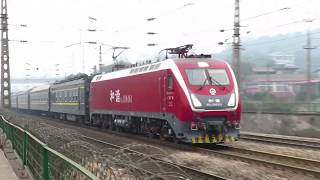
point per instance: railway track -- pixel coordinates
(294, 141)
(265, 159)
(169, 170)
(278, 161)
(286, 163)
(262, 158)
(191, 172)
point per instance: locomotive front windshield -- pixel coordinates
(207, 77)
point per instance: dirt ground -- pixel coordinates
(294, 125)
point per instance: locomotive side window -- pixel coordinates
(170, 82)
(145, 68)
(98, 77)
(157, 66)
(151, 67)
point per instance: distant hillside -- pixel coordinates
(257, 51)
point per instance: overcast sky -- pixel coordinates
(55, 24)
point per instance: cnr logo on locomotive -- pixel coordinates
(212, 91)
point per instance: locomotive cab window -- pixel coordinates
(218, 77)
(208, 77)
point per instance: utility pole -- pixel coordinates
(308, 73)
(268, 77)
(82, 49)
(5, 68)
(100, 59)
(236, 41)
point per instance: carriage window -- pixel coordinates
(170, 82)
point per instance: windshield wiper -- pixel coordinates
(215, 81)
(204, 83)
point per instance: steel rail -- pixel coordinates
(302, 113)
(282, 140)
(270, 159)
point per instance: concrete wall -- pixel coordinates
(297, 125)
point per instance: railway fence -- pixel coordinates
(42, 161)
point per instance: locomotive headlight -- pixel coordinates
(195, 101)
(232, 100)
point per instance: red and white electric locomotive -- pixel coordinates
(193, 100)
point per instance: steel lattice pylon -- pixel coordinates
(5, 68)
(236, 41)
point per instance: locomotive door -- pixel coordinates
(166, 92)
(169, 92)
(162, 90)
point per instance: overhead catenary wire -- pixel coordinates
(265, 14)
(153, 18)
(248, 33)
(283, 39)
(280, 25)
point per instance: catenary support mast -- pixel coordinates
(236, 41)
(5, 68)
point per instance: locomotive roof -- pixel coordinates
(196, 60)
(156, 66)
(40, 88)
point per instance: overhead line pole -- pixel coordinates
(5, 68)
(236, 41)
(100, 59)
(308, 75)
